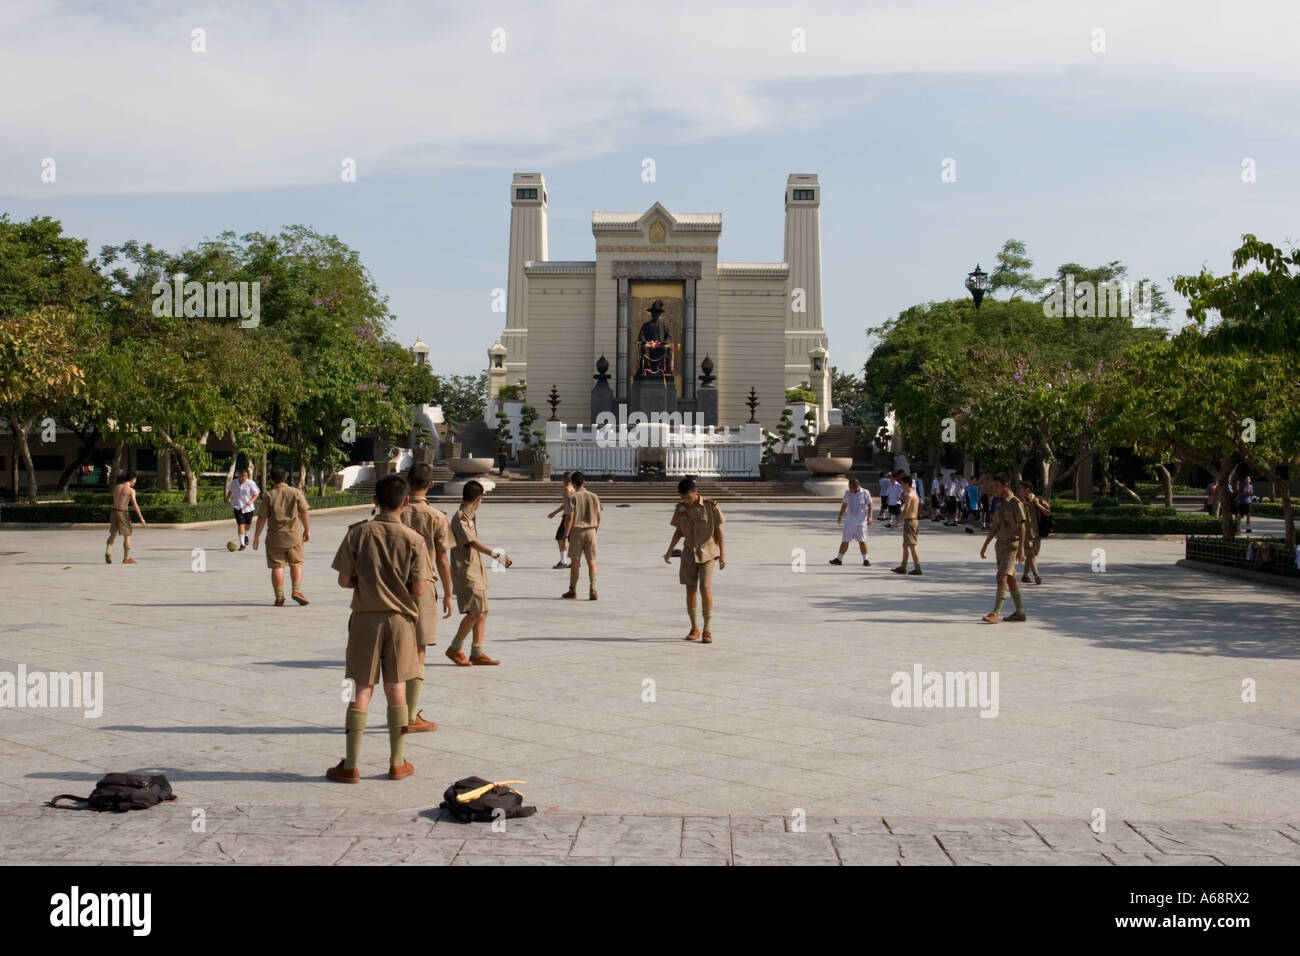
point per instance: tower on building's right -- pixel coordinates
(804, 332)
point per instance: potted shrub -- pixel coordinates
(768, 468)
(541, 460)
(785, 435)
(809, 437)
(452, 444)
(527, 436)
(503, 434)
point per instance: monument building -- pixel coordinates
(655, 322)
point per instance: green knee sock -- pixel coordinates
(457, 643)
(279, 594)
(354, 727)
(126, 550)
(593, 580)
(695, 618)
(396, 723)
(708, 616)
(413, 688)
(1015, 596)
(1002, 599)
(475, 650)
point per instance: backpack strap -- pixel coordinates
(475, 794)
(67, 796)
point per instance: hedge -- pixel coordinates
(99, 511)
(1181, 523)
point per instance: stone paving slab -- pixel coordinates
(1122, 693)
(276, 836)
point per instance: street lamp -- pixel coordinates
(977, 283)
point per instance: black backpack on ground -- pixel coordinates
(121, 792)
(475, 800)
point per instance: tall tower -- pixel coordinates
(804, 331)
(527, 244)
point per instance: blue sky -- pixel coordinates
(1131, 153)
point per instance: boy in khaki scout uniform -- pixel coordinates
(120, 521)
(285, 507)
(911, 517)
(1035, 508)
(468, 580)
(584, 508)
(697, 523)
(386, 564)
(431, 524)
(1008, 526)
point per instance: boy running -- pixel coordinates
(1008, 526)
(120, 521)
(386, 565)
(433, 527)
(857, 504)
(285, 508)
(242, 493)
(468, 580)
(697, 523)
(584, 522)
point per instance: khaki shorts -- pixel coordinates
(582, 544)
(693, 573)
(120, 523)
(911, 527)
(1031, 546)
(426, 628)
(1006, 555)
(381, 643)
(475, 600)
(279, 557)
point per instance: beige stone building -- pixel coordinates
(758, 324)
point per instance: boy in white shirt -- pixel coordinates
(857, 505)
(242, 492)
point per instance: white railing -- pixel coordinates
(683, 450)
(733, 460)
(592, 458)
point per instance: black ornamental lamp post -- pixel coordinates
(554, 401)
(977, 283)
(753, 404)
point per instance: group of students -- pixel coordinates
(1239, 498)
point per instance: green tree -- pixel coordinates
(1014, 271)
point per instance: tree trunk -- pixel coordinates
(1046, 478)
(302, 460)
(1288, 515)
(1129, 493)
(13, 462)
(164, 470)
(1166, 485)
(119, 459)
(19, 431)
(191, 477)
(1083, 476)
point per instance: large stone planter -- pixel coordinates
(829, 476)
(469, 469)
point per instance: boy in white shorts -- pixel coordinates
(857, 505)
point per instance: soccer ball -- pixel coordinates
(232, 546)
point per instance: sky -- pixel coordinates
(1152, 133)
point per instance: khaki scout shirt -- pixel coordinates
(387, 559)
(431, 524)
(281, 506)
(1007, 520)
(1032, 514)
(697, 525)
(466, 562)
(586, 510)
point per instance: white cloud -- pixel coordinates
(285, 92)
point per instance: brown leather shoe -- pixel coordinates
(297, 596)
(482, 659)
(341, 774)
(279, 602)
(399, 773)
(420, 725)
(108, 559)
(591, 596)
(706, 638)
(570, 595)
(990, 618)
(914, 571)
(129, 561)
(457, 657)
(901, 569)
(1025, 577)
(1018, 616)
(694, 635)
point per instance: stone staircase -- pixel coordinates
(441, 475)
(842, 441)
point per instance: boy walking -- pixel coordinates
(1008, 527)
(242, 493)
(284, 507)
(857, 505)
(433, 527)
(468, 580)
(584, 521)
(386, 565)
(1035, 508)
(120, 520)
(562, 532)
(697, 523)
(895, 498)
(910, 513)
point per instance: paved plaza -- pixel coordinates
(1122, 694)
